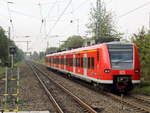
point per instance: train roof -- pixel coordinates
(88, 48)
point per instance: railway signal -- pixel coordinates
(12, 50)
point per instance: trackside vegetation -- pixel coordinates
(5, 42)
(142, 40)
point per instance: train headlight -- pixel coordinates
(107, 71)
(136, 70)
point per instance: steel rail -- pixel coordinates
(142, 98)
(139, 106)
(129, 102)
(55, 104)
(86, 106)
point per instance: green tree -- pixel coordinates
(3, 46)
(35, 55)
(72, 42)
(51, 50)
(20, 55)
(142, 40)
(5, 42)
(106, 23)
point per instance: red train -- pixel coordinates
(114, 64)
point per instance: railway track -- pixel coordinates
(142, 98)
(79, 103)
(131, 102)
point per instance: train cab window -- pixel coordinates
(92, 62)
(89, 62)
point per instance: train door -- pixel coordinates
(64, 62)
(67, 62)
(85, 64)
(77, 63)
(91, 59)
(71, 63)
(74, 63)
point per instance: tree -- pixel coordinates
(5, 42)
(3, 46)
(20, 55)
(72, 42)
(41, 54)
(107, 26)
(35, 55)
(142, 40)
(51, 50)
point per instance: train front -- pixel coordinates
(124, 66)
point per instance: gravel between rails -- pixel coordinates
(102, 103)
(32, 96)
(66, 102)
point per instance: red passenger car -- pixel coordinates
(112, 64)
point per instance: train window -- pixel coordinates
(66, 61)
(77, 62)
(85, 62)
(92, 62)
(89, 62)
(74, 62)
(81, 62)
(97, 54)
(63, 61)
(70, 61)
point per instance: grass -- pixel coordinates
(2, 69)
(19, 64)
(143, 88)
(40, 61)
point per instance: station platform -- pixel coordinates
(28, 112)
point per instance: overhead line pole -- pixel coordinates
(98, 24)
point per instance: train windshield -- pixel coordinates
(121, 58)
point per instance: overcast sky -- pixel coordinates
(27, 17)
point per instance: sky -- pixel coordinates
(47, 23)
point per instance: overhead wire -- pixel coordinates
(24, 14)
(53, 27)
(51, 8)
(133, 10)
(83, 3)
